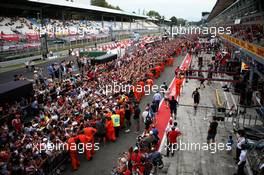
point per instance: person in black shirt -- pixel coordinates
(164, 87)
(101, 130)
(173, 106)
(196, 98)
(128, 117)
(136, 117)
(212, 131)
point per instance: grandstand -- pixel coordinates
(62, 21)
(246, 43)
(246, 18)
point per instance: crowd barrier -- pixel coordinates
(54, 163)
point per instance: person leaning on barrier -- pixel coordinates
(242, 161)
(240, 141)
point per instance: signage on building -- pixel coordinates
(256, 50)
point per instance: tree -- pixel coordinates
(154, 14)
(174, 21)
(99, 3)
(181, 21)
(103, 3)
(118, 8)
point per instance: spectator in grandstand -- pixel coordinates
(242, 161)
(241, 140)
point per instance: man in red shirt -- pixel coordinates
(136, 159)
(16, 123)
(172, 136)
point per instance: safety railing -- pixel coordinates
(247, 117)
(55, 164)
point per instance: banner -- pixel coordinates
(10, 37)
(32, 37)
(254, 49)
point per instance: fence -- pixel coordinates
(247, 117)
(54, 165)
(66, 45)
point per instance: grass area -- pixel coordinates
(18, 66)
(10, 68)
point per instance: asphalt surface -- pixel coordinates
(9, 76)
(108, 154)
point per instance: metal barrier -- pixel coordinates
(210, 111)
(245, 119)
(55, 163)
(65, 46)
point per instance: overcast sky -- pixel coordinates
(187, 9)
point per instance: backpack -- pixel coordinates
(154, 108)
(148, 119)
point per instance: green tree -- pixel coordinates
(182, 21)
(174, 21)
(103, 3)
(154, 14)
(118, 8)
(99, 3)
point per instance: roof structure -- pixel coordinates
(87, 6)
(220, 6)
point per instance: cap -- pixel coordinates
(123, 160)
(135, 148)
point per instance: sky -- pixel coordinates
(187, 9)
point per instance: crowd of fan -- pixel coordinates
(68, 102)
(253, 35)
(144, 157)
